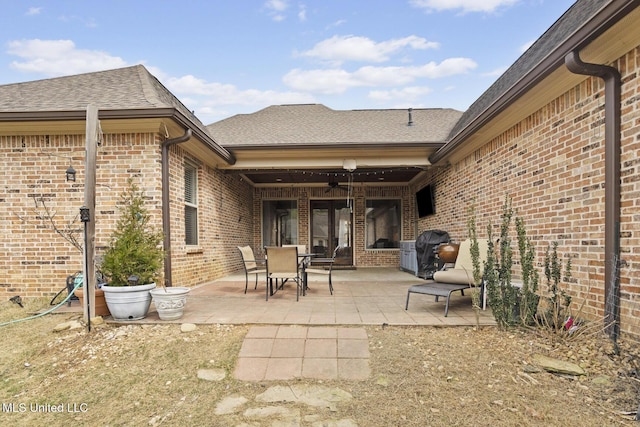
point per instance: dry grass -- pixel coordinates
(132, 375)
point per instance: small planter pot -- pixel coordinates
(128, 302)
(170, 302)
(101, 308)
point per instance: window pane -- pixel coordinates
(190, 184)
(279, 222)
(191, 225)
(191, 204)
(383, 224)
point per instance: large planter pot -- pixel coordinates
(128, 302)
(448, 252)
(170, 302)
(101, 308)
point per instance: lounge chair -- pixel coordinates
(251, 266)
(458, 278)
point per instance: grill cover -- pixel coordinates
(425, 251)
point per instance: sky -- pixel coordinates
(228, 57)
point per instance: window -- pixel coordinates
(190, 204)
(279, 222)
(383, 224)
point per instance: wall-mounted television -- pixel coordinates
(426, 201)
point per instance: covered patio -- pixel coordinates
(364, 296)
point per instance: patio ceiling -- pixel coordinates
(322, 177)
(370, 164)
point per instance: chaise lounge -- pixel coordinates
(458, 278)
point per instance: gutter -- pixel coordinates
(612, 111)
(140, 113)
(166, 218)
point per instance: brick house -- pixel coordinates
(548, 132)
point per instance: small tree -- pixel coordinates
(501, 293)
(135, 247)
(558, 301)
(511, 305)
(529, 297)
(475, 258)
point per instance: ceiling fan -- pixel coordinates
(335, 184)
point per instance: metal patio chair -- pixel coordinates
(251, 266)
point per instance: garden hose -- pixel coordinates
(64, 301)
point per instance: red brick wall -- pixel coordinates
(552, 165)
(362, 257)
(225, 221)
(35, 260)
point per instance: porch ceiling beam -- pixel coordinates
(320, 163)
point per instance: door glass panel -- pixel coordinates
(342, 232)
(279, 222)
(320, 229)
(331, 226)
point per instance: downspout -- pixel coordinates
(166, 227)
(612, 120)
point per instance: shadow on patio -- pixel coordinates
(365, 296)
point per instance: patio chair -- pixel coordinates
(302, 249)
(251, 266)
(282, 264)
(323, 266)
(458, 278)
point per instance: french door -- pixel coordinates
(331, 227)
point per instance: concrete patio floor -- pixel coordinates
(365, 296)
(321, 336)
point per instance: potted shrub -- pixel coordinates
(132, 260)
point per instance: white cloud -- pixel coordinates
(277, 5)
(211, 94)
(405, 94)
(276, 9)
(526, 46)
(34, 11)
(495, 73)
(302, 13)
(465, 5)
(353, 48)
(336, 81)
(338, 23)
(59, 57)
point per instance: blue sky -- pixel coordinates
(222, 58)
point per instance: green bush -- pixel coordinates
(135, 247)
(511, 306)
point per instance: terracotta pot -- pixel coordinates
(101, 308)
(448, 252)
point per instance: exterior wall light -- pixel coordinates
(71, 174)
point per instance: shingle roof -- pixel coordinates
(130, 92)
(120, 89)
(313, 124)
